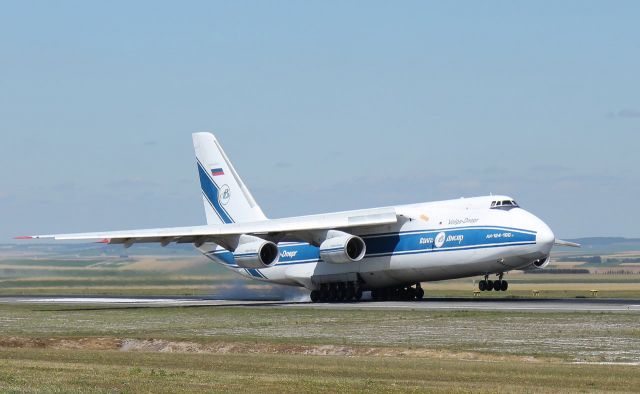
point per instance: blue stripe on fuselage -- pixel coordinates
(210, 190)
(388, 244)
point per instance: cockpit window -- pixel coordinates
(504, 204)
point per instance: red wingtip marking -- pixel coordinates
(104, 241)
(23, 237)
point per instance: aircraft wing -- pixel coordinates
(294, 228)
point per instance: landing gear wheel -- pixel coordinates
(315, 296)
(358, 294)
(419, 294)
(324, 293)
(482, 285)
(489, 285)
(333, 293)
(341, 294)
(497, 285)
(350, 293)
(504, 286)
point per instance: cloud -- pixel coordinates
(283, 164)
(131, 184)
(150, 143)
(549, 168)
(627, 113)
(64, 187)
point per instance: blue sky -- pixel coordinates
(321, 106)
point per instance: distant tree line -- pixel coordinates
(600, 260)
(617, 272)
(586, 259)
(559, 271)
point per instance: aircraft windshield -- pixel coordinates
(504, 204)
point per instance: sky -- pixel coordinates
(321, 106)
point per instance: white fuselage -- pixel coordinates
(431, 241)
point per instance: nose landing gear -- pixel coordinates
(498, 285)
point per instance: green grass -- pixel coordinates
(57, 348)
(589, 336)
(31, 370)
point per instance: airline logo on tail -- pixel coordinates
(224, 194)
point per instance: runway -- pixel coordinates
(531, 304)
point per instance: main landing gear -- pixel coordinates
(406, 293)
(337, 292)
(497, 285)
(351, 291)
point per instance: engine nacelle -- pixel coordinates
(538, 264)
(256, 254)
(344, 248)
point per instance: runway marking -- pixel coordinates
(101, 300)
(634, 364)
(568, 305)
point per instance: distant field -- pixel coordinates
(195, 275)
(57, 348)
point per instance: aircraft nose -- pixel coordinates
(545, 236)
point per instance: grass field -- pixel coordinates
(35, 370)
(58, 348)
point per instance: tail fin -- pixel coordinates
(226, 198)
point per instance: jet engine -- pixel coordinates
(256, 254)
(538, 264)
(342, 248)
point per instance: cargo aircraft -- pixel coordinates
(388, 251)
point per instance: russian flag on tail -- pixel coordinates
(217, 171)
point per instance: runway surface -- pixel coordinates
(532, 304)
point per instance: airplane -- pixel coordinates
(388, 251)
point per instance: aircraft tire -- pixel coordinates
(315, 296)
(482, 285)
(504, 286)
(324, 295)
(419, 294)
(332, 296)
(497, 285)
(358, 294)
(489, 285)
(351, 293)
